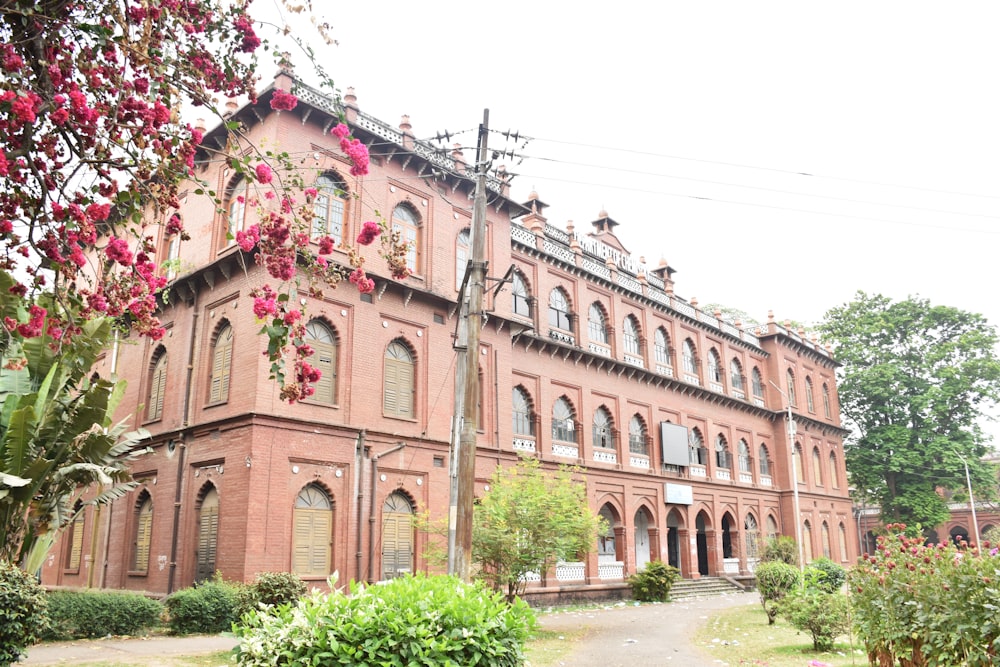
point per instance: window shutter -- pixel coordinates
(311, 541)
(390, 389)
(143, 530)
(325, 363)
(76, 543)
(208, 534)
(157, 388)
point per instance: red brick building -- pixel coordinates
(587, 357)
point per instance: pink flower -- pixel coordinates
(248, 239)
(369, 232)
(264, 174)
(117, 251)
(325, 245)
(341, 131)
(282, 101)
(262, 307)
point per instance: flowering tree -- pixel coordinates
(93, 152)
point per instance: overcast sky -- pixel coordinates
(693, 124)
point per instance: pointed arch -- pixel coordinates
(751, 536)
(236, 206)
(603, 429)
(763, 461)
(817, 467)
(638, 440)
(790, 384)
(825, 540)
(463, 248)
(208, 533)
(723, 457)
(689, 356)
(661, 350)
(329, 207)
(523, 412)
(736, 375)
(406, 221)
(743, 455)
(142, 532)
(810, 400)
(631, 336)
(520, 294)
(714, 366)
(597, 323)
(826, 401)
(559, 309)
(696, 447)
(563, 420)
(757, 383)
(397, 535)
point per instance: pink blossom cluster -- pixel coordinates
(282, 101)
(355, 150)
(369, 232)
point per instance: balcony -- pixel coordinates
(605, 455)
(565, 451)
(524, 445)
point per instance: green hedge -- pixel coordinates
(206, 608)
(88, 614)
(415, 620)
(270, 588)
(653, 582)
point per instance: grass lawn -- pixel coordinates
(741, 636)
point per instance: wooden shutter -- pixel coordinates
(143, 532)
(397, 537)
(325, 360)
(221, 364)
(397, 388)
(208, 536)
(157, 388)
(76, 543)
(311, 542)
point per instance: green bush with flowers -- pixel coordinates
(934, 605)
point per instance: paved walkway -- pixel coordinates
(613, 636)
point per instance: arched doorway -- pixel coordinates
(958, 534)
(397, 536)
(673, 540)
(702, 543)
(642, 521)
(208, 534)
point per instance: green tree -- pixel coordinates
(529, 520)
(914, 382)
(56, 434)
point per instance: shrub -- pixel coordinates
(208, 607)
(775, 579)
(416, 620)
(782, 549)
(83, 614)
(270, 588)
(22, 611)
(823, 615)
(653, 583)
(826, 575)
(932, 605)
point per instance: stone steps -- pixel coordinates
(686, 589)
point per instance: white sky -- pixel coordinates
(866, 96)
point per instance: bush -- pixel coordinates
(775, 579)
(207, 608)
(826, 575)
(413, 620)
(22, 612)
(653, 583)
(781, 549)
(83, 614)
(823, 615)
(270, 588)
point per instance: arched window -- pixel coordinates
(329, 208)
(834, 477)
(714, 367)
(735, 375)
(637, 443)
(222, 362)
(405, 220)
(800, 475)
(559, 309)
(807, 541)
(772, 527)
(826, 401)
(563, 424)
(630, 335)
(810, 403)
(843, 543)
(157, 384)
(324, 345)
(520, 295)
(790, 383)
(756, 383)
(208, 534)
(722, 456)
(696, 448)
(817, 468)
(398, 385)
(746, 465)
(397, 536)
(524, 420)
(602, 429)
(763, 462)
(312, 532)
(597, 327)
(236, 209)
(461, 256)
(825, 539)
(690, 361)
(142, 533)
(751, 536)
(73, 537)
(661, 347)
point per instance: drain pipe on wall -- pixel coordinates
(359, 499)
(371, 510)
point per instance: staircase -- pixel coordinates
(686, 589)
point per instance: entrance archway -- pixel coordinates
(642, 521)
(702, 543)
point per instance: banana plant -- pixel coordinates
(58, 443)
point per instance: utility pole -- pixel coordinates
(972, 500)
(460, 560)
(795, 481)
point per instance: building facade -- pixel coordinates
(676, 416)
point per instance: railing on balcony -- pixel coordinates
(524, 445)
(765, 480)
(602, 455)
(634, 360)
(571, 571)
(637, 461)
(697, 471)
(566, 451)
(746, 478)
(665, 370)
(723, 473)
(611, 570)
(602, 350)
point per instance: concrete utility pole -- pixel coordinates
(795, 481)
(460, 562)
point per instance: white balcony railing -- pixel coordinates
(611, 570)
(731, 565)
(567, 451)
(524, 445)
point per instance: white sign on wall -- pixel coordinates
(678, 494)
